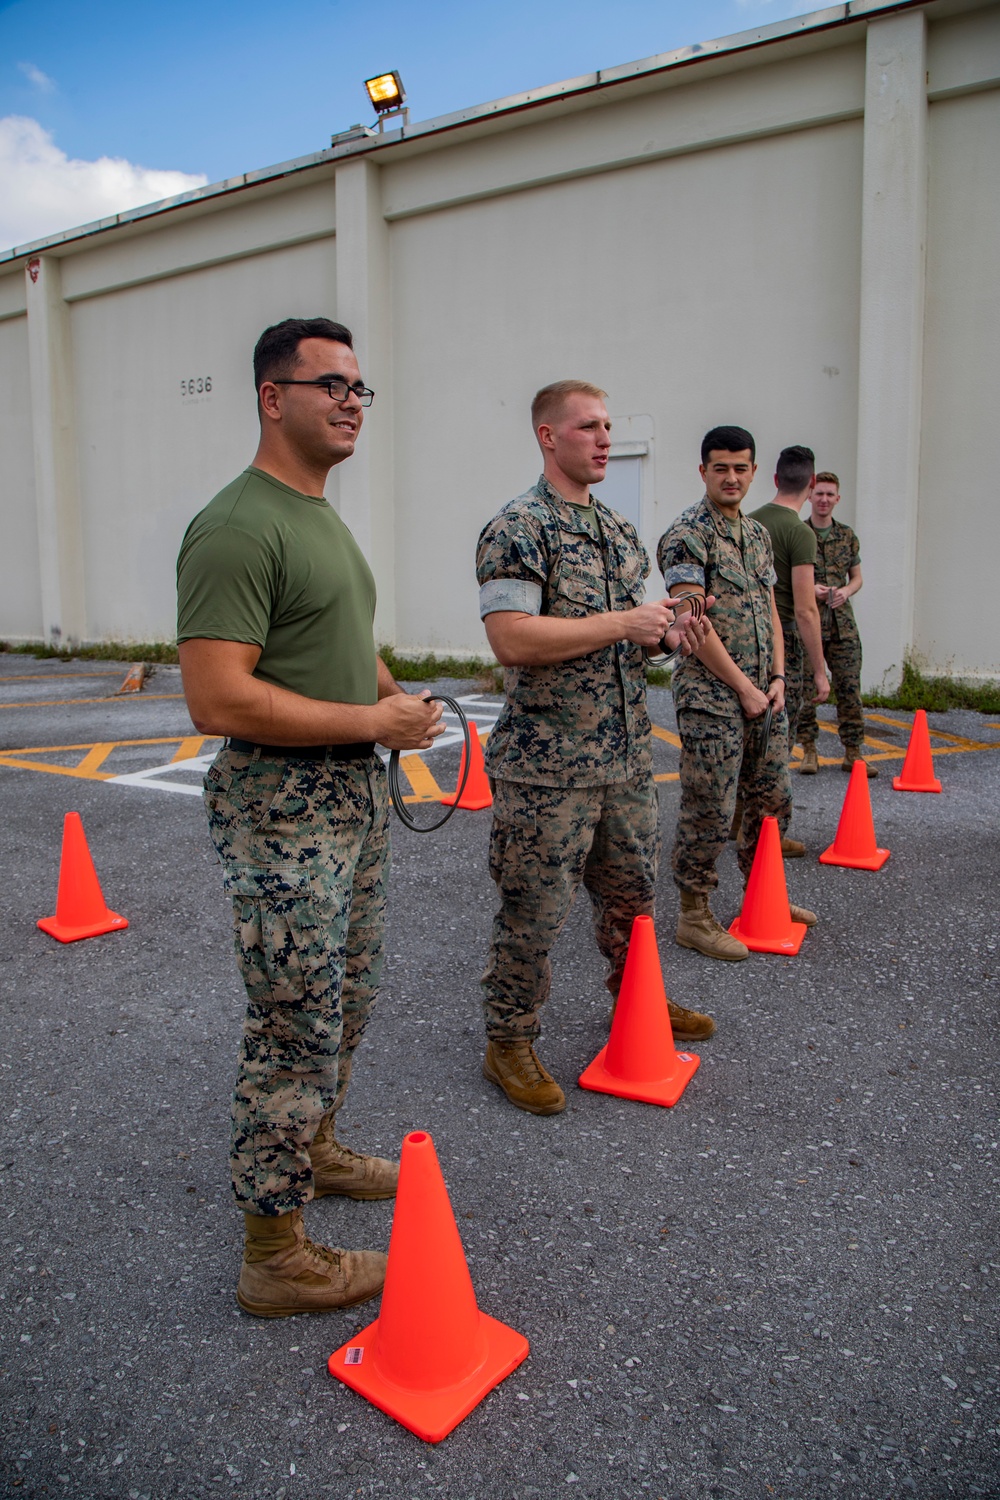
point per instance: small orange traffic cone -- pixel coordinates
(765, 923)
(918, 767)
(639, 1061)
(854, 845)
(476, 794)
(431, 1355)
(81, 911)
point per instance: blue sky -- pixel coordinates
(180, 92)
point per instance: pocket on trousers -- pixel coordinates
(278, 933)
(513, 863)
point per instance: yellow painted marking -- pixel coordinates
(94, 758)
(420, 777)
(189, 748)
(63, 702)
(58, 677)
(668, 735)
(94, 755)
(668, 776)
(954, 739)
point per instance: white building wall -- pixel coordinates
(686, 288)
(700, 234)
(958, 534)
(154, 448)
(20, 584)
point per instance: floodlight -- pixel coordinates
(386, 91)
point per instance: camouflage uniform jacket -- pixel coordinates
(575, 723)
(700, 548)
(837, 552)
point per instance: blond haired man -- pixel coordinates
(562, 583)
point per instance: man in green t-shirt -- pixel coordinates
(274, 623)
(794, 592)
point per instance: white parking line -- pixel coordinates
(158, 778)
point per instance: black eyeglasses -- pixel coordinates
(338, 390)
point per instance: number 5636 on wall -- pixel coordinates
(198, 385)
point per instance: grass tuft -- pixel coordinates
(937, 694)
(160, 653)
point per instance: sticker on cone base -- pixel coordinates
(354, 1355)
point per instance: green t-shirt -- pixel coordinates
(267, 565)
(794, 545)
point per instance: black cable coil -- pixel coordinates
(393, 773)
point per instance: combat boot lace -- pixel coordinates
(339, 1169)
(513, 1067)
(284, 1273)
(690, 1025)
(850, 756)
(698, 929)
(809, 764)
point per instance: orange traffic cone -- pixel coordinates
(854, 845)
(639, 1061)
(765, 922)
(476, 794)
(431, 1355)
(80, 908)
(918, 767)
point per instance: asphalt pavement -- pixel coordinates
(785, 1286)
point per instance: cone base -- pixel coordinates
(470, 804)
(64, 933)
(866, 862)
(665, 1090)
(789, 945)
(899, 785)
(431, 1415)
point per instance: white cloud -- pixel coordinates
(43, 83)
(43, 191)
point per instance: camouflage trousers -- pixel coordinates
(717, 763)
(546, 841)
(304, 847)
(843, 659)
(798, 683)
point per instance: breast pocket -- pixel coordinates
(733, 576)
(575, 596)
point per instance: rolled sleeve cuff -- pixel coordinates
(683, 573)
(510, 594)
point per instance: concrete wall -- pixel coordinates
(795, 231)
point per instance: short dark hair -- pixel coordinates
(727, 440)
(795, 468)
(277, 350)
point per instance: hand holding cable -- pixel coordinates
(395, 789)
(408, 721)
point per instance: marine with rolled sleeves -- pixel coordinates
(562, 583)
(724, 688)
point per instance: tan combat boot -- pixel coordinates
(284, 1273)
(791, 848)
(698, 929)
(686, 1025)
(689, 1025)
(338, 1169)
(514, 1067)
(802, 914)
(809, 765)
(850, 756)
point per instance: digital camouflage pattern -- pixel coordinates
(843, 660)
(701, 547)
(304, 847)
(799, 686)
(837, 552)
(544, 842)
(718, 762)
(578, 723)
(718, 743)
